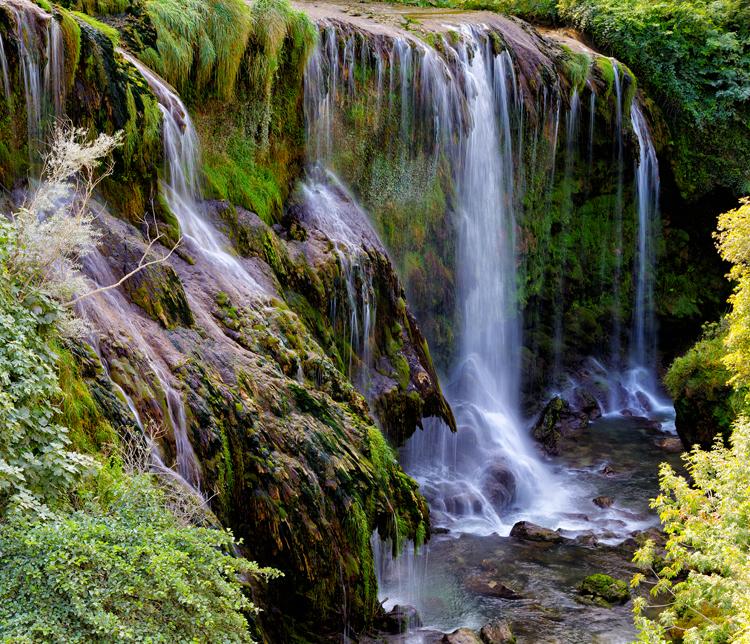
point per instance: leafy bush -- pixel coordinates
(705, 578)
(121, 568)
(706, 571)
(36, 465)
(733, 239)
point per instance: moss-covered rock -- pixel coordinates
(604, 590)
(698, 381)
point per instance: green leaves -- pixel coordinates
(705, 576)
(123, 571)
(36, 467)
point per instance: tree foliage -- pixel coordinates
(705, 575)
(733, 238)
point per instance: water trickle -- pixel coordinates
(54, 70)
(647, 207)
(619, 153)
(41, 50)
(110, 310)
(181, 183)
(6, 75)
(333, 211)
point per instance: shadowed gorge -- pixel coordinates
(361, 315)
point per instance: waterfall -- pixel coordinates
(467, 106)
(619, 154)
(483, 478)
(181, 183)
(6, 76)
(640, 383)
(41, 56)
(647, 208)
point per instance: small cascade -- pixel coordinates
(110, 310)
(181, 183)
(41, 52)
(333, 211)
(643, 343)
(6, 75)
(54, 70)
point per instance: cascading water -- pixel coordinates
(109, 309)
(6, 75)
(41, 50)
(494, 470)
(465, 105)
(468, 107)
(334, 212)
(181, 183)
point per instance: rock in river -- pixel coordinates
(604, 590)
(527, 531)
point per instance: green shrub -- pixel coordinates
(121, 567)
(36, 465)
(705, 581)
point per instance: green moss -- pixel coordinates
(577, 66)
(604, 590)
(101, 7)
(607, 73)
(110, 32)
(89, 430)
(72, 42)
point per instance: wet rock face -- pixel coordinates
(400, 619)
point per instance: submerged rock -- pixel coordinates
(496, 632)
(527, 531)
(604, 501)
(485, 584)
(604, 590)
(671, 445)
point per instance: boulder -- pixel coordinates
(604, 501)
(399, 620)
(461, 636)
(527, 531)
(584, 401)
(497, 632)
(604, 590)
(485, 584)
(556, 422)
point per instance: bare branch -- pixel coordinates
(141, 266)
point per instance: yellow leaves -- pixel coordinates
(733, 242)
